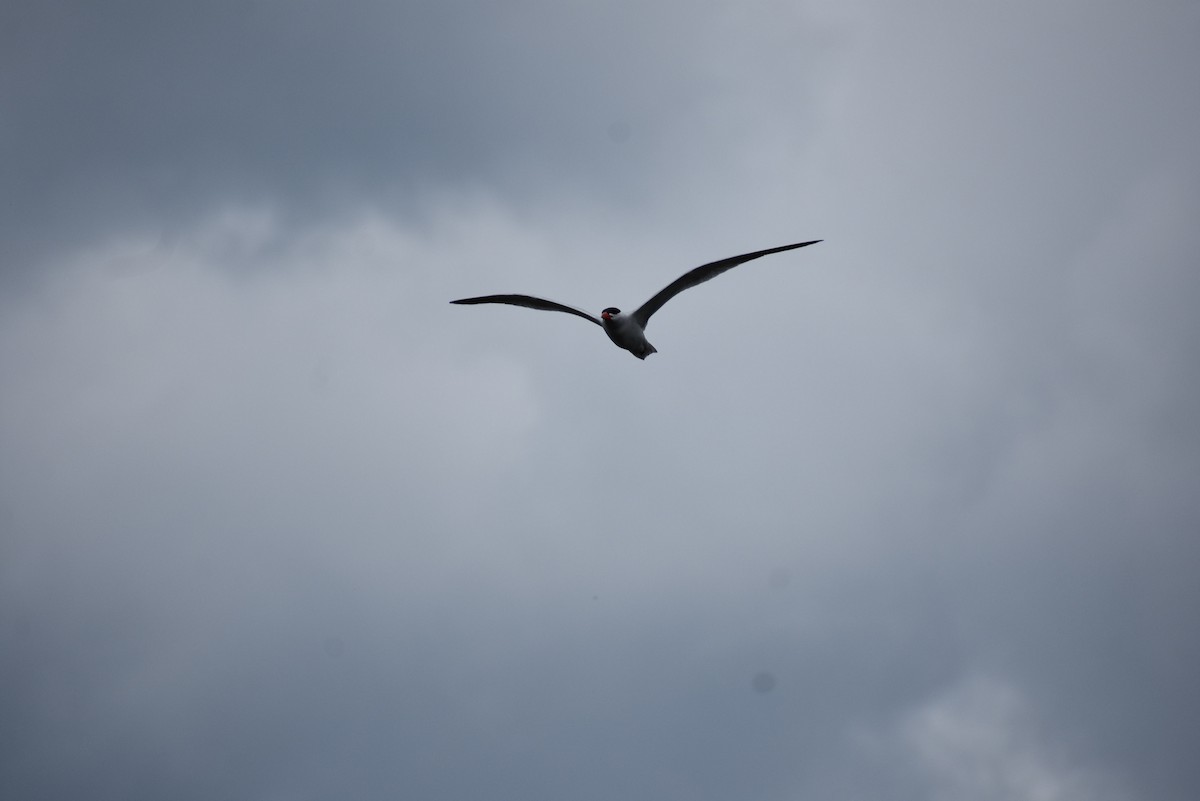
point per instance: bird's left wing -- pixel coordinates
(530, 302)
(701, 274)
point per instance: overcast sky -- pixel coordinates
(910, 514)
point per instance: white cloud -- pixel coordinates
(982, 740)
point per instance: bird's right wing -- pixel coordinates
(530, 302)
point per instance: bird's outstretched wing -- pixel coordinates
(700, 275)
(532, 303)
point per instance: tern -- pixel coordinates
(628, 331)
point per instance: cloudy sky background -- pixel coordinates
(910, 514)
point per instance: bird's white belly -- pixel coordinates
(626, 333)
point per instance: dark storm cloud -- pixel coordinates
(144, 115)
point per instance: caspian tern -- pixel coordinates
(628, 331)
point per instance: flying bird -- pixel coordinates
(628, 331)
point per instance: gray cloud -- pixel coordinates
(280, 522)
(139, 114)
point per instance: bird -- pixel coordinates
(628, 331)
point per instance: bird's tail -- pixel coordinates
(646, 351)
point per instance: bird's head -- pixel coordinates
(609, 313)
